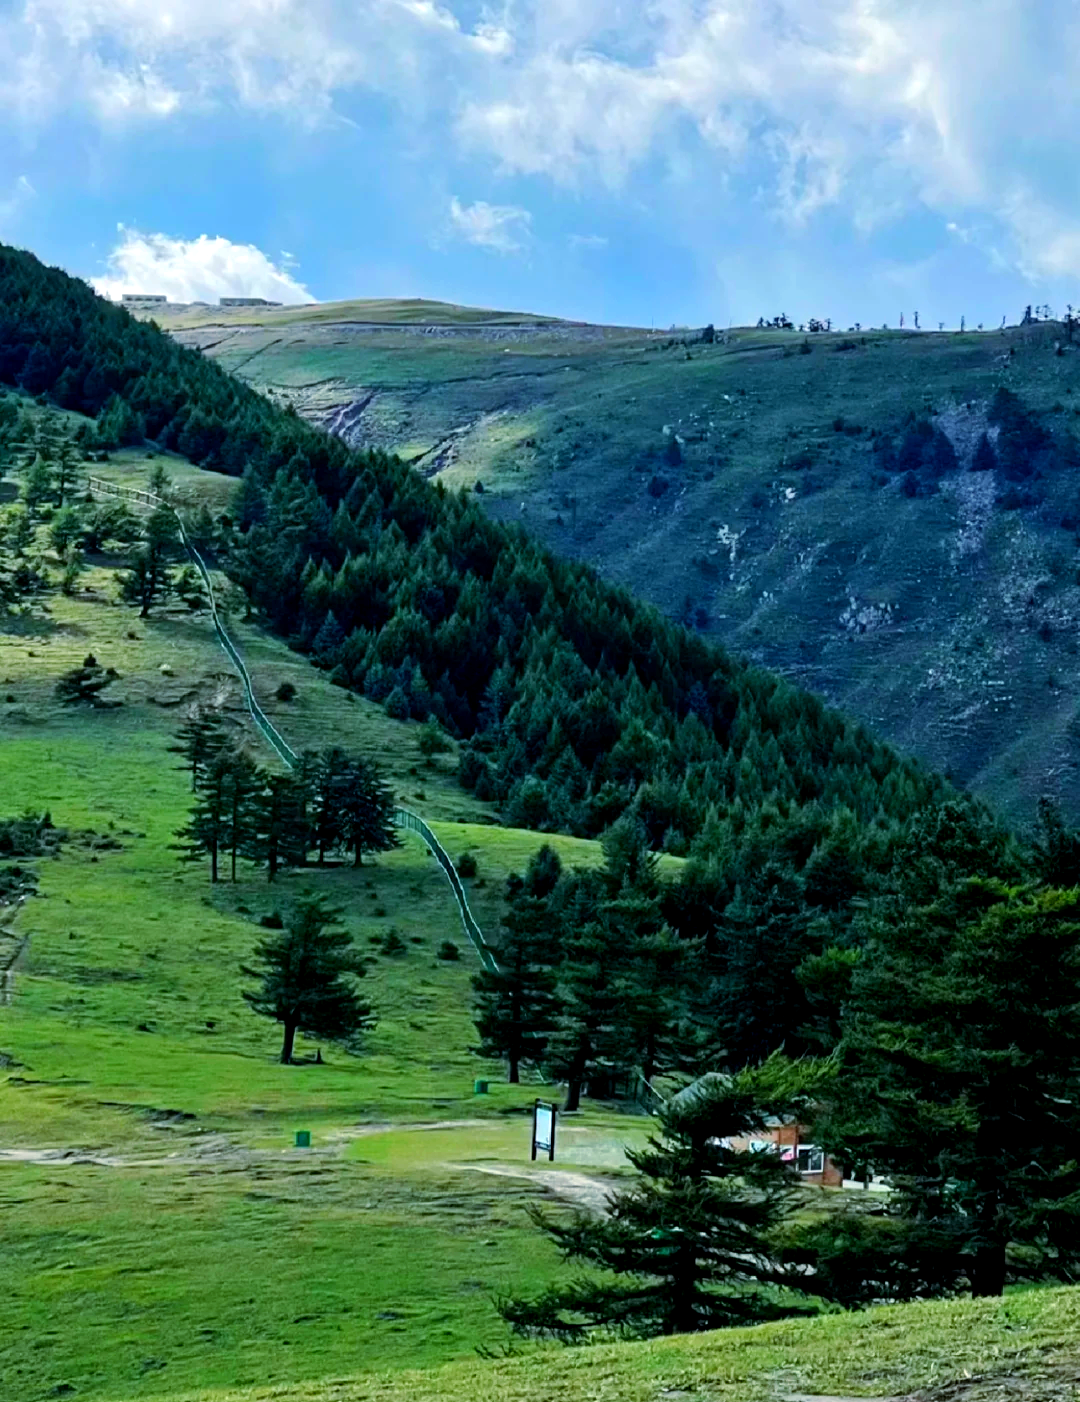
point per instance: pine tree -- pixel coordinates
(693, 1243)
(278, 831)
(328, 641)
(1055, 848)
(514, 1005)
(244, 785)
(149, 580)
(365, 810)
(65, 529)
(37, 486)
(65, 471)
(583, 1038)
(755, 1002)
(650, 985)
(207, 832)
(322, 774)
(961, 1058)
(199, 739)
(306, 974)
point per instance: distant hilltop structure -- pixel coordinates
(155, 299)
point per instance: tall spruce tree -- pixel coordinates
(365, 810)
(324, 774)
(307, 974)
(960, 1062)
(756, 1003)
(583, 1042)
(514, 1005)
(694, 1243)
(200, 737)
(650, 984)
(278, 833)
(207, 832)
(149, 580)
(244, 786)
(66, 471)
(37, 484)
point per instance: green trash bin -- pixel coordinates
(303, 1138)
(480, 1087)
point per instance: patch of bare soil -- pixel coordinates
(1051, 1382)
(1058, 1382)
(590, 1193)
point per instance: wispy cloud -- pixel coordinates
(195, 270)
(593, 242)
(499, 228)
(15, 201)
(866, 108)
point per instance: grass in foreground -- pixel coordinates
(1025, 1346)
(137, 1282)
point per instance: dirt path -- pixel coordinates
(590, 1193)
(219, 1149)
(9, 970)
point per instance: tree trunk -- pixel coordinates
(576, 1076)
(287, 1045)
(513, 1076)
(681, 1315)
(648, 1060)
(988, 1269)
(213, 861)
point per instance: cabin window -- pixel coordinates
(810, 1159)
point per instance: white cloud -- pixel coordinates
(873, 108)
(500, 228)
(15, 201)
(592, 242)
(195, 270)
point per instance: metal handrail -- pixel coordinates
(403, 817)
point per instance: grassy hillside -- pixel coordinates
(368, 311)
(160, 1231)
(960, 1351)
(946, 622)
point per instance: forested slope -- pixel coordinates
(813, 501)
(579, 704)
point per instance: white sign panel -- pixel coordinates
(543, 1129)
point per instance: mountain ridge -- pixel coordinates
(738, 486)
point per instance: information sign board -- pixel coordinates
(543, 1135)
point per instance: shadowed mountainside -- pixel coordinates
(757, 490)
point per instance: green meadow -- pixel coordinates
(161, 1231)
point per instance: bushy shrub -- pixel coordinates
(393, 945)
(397, 705)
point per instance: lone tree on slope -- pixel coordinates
(306, 973)
(149, 580)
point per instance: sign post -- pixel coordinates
(543, 1129)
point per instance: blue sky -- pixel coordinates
(634, 161)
